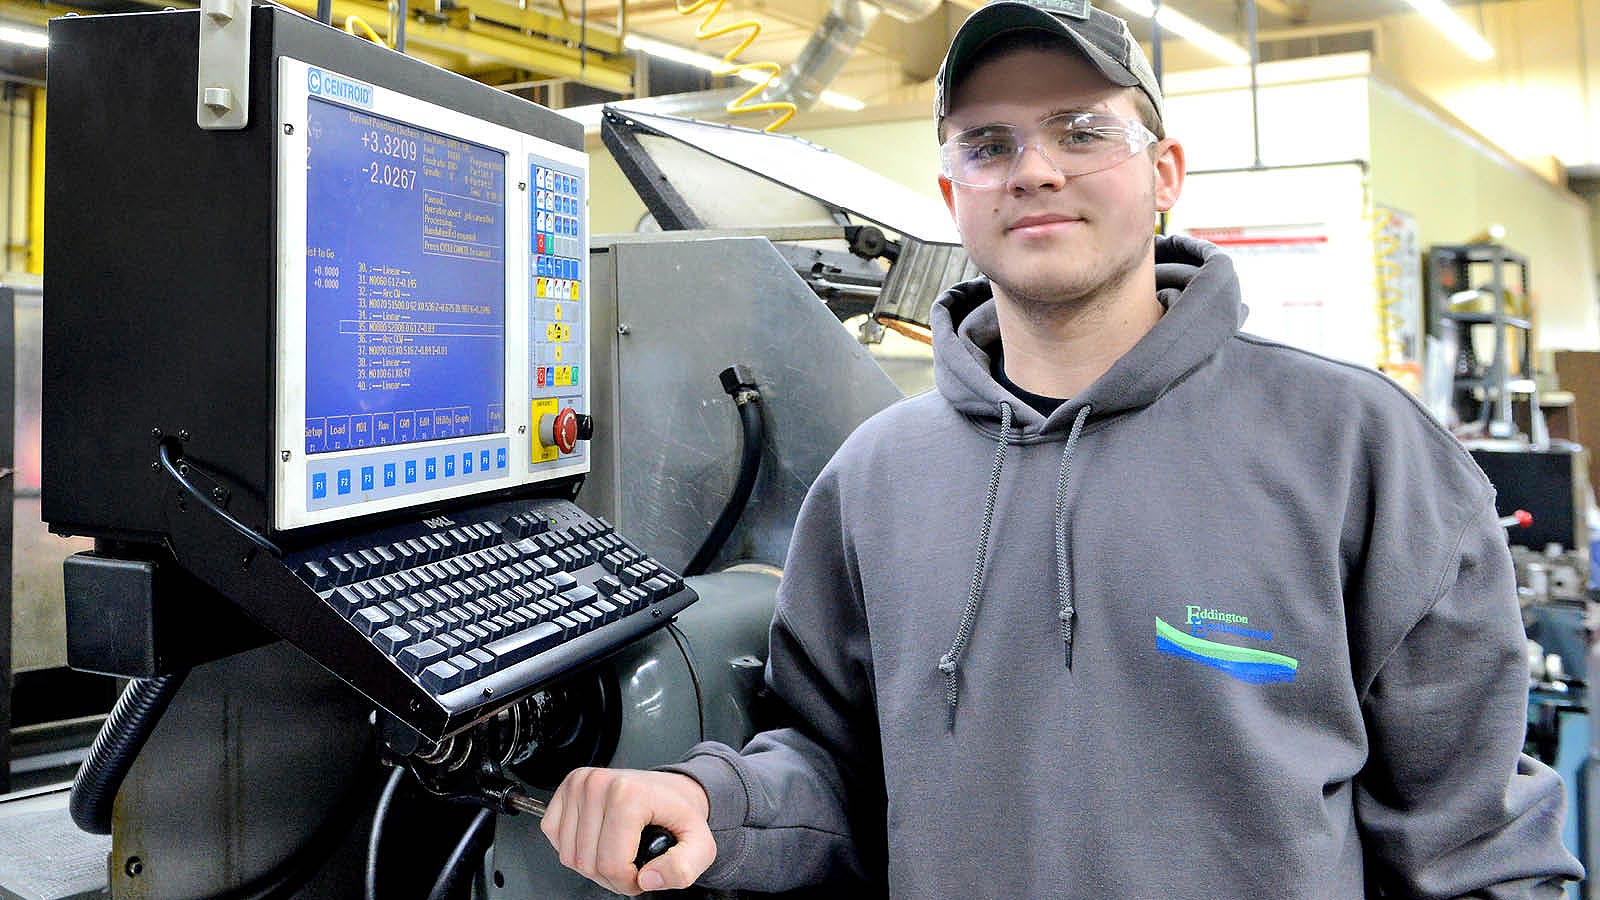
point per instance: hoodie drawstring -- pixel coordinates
(1066, 609)
(950, 663)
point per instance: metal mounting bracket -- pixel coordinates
(222, 85)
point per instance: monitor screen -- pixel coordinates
(405, 283)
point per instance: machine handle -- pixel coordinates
(652, 843)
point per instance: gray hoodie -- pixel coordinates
(1238, 621)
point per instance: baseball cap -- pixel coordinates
(1100, 37)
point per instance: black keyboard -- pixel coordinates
(479, 608)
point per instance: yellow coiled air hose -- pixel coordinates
(745, 102)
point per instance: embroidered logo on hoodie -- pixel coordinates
(1245, 664)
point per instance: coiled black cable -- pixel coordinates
(94, 790)
(748, 400)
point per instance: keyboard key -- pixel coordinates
(478, 632)
(608, 586)
(346, 600)
(561, 581)
(441, 677)
(404, 554)
(657, 588)
(569, 627)
(358, 566)
(610, 611)
(390, 640)
(316, 575)
(496, 534)
(420, 629)
(604, 526)
(517, 526)
(435, 547)
(374, 563)
(467, 666)
(487, 662)
(420, 551)
(342, 572)
(582, 595)
(515, 648)
(369, 620)
(451, 643)
(586, 622)
(419, 656)
(396, 612)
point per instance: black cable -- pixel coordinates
(458, 857)
(325, 11)
(748, 400)
(124, 734)
(208, 503)
(379, 815)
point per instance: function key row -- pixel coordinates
(373, 562)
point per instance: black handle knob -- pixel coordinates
(585, 427)
(652, 843)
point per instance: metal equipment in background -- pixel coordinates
(1544, 496)
(724, 180)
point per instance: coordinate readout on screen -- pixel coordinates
(405, 283)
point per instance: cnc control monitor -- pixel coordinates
(432, 316)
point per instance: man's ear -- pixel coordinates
(948, 191)
(1170, 170)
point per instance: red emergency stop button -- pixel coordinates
(559, 430)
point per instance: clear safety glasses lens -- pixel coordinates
(1075, 143)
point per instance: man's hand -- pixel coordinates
(596, 816)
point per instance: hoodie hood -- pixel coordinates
(1194, 281)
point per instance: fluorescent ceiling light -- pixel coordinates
(1190, 30)
(1460, 33)
(716, 66)
(27, 37)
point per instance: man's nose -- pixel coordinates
(1034, 171)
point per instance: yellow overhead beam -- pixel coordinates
(545, 45)
(482, 42)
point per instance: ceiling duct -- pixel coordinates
(830, 46)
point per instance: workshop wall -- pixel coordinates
(1456, 186)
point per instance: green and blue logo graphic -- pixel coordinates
(1243, 663)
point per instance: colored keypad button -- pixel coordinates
(319, 485)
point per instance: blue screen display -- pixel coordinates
(405, 283)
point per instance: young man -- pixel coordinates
(1166, 611)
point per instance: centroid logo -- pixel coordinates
(327, 84)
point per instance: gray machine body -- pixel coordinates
(679, 309)
(254, 754)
